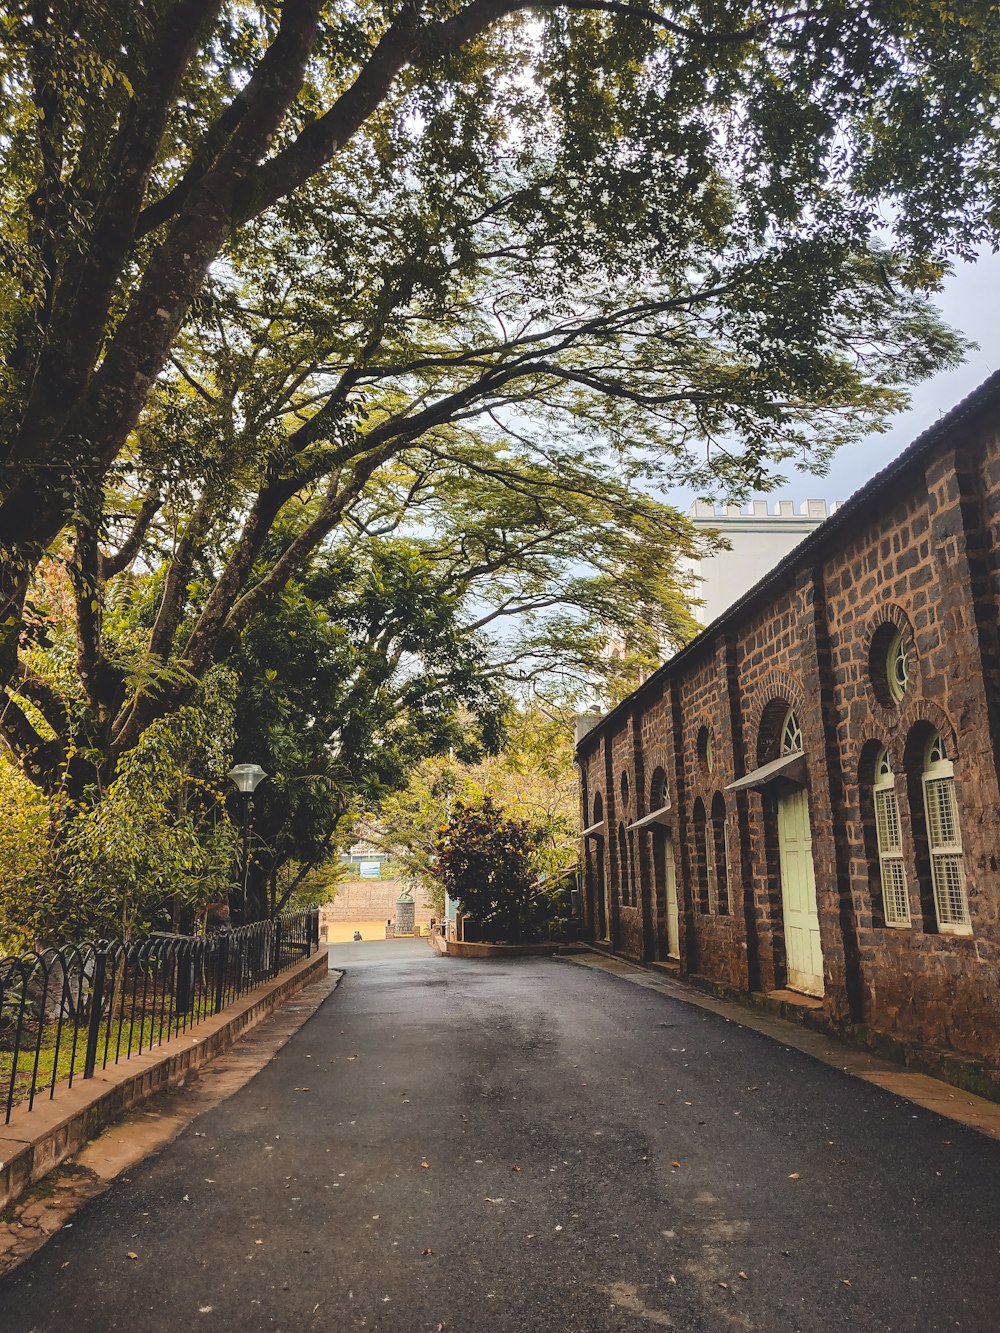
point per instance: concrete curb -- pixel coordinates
(37, 1141)
(469, 949)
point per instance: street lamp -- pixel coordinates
(246, 778)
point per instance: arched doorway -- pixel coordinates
(665, 876)
(803, 951)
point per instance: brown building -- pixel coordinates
(805, 800)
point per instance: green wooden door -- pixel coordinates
(803, 952)
(670, 877)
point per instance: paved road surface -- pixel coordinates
(468, 1147)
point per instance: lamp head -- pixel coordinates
(246, 777)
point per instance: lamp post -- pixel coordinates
(246, 778)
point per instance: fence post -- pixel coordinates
(221, 964)
(313, 930)
(277, 946)
(185, 978)
(96, 1010)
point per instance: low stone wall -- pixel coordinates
(36, 1141)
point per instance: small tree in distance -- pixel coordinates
(485, 864)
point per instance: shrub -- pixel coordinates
(485, 862)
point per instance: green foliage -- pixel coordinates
(25, 857)
(157, 840)
(357, 673)
(484, 861)
(146, 851)
(532, 778)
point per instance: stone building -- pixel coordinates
(805, 799)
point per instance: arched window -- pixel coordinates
(720, 853)
(944, 840)
(623, 867)
(895, 900)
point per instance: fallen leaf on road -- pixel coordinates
(532, 1235)
(724, 1286)
(795, 1176)
(515, 1168)
(744, 1276)
(303, 1089)
(428, 1250)
(427, 1164)
(258, 1242)
(132, 1254)
(675, 1165)
(846, 1281)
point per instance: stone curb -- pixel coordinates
(36, 1141)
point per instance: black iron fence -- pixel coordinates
(66, 1013)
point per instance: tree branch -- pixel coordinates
(111, 564)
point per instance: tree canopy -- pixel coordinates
(671, 207)
(392, 311)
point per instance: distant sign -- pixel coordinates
(369, 869)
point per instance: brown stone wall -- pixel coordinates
(919, 554)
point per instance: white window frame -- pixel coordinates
(889, 834)
(944, 841)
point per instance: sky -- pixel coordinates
(969, 302)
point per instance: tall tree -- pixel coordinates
(643, 152)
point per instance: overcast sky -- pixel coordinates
(969, 302)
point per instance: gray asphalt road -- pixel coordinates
(467, 1147)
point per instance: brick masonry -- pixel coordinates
(916, 551)
(371, 900)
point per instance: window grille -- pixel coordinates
(944, 841)
(623, 870)
(719, 831)
(897, 669)
(711, 869)
(726, 865)
(895, 900)
(791, 735)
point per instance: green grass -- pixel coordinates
(145, 1033)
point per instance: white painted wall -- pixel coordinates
(758, 539)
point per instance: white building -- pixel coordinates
(757, 539)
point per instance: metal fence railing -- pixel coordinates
(67, 1012)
